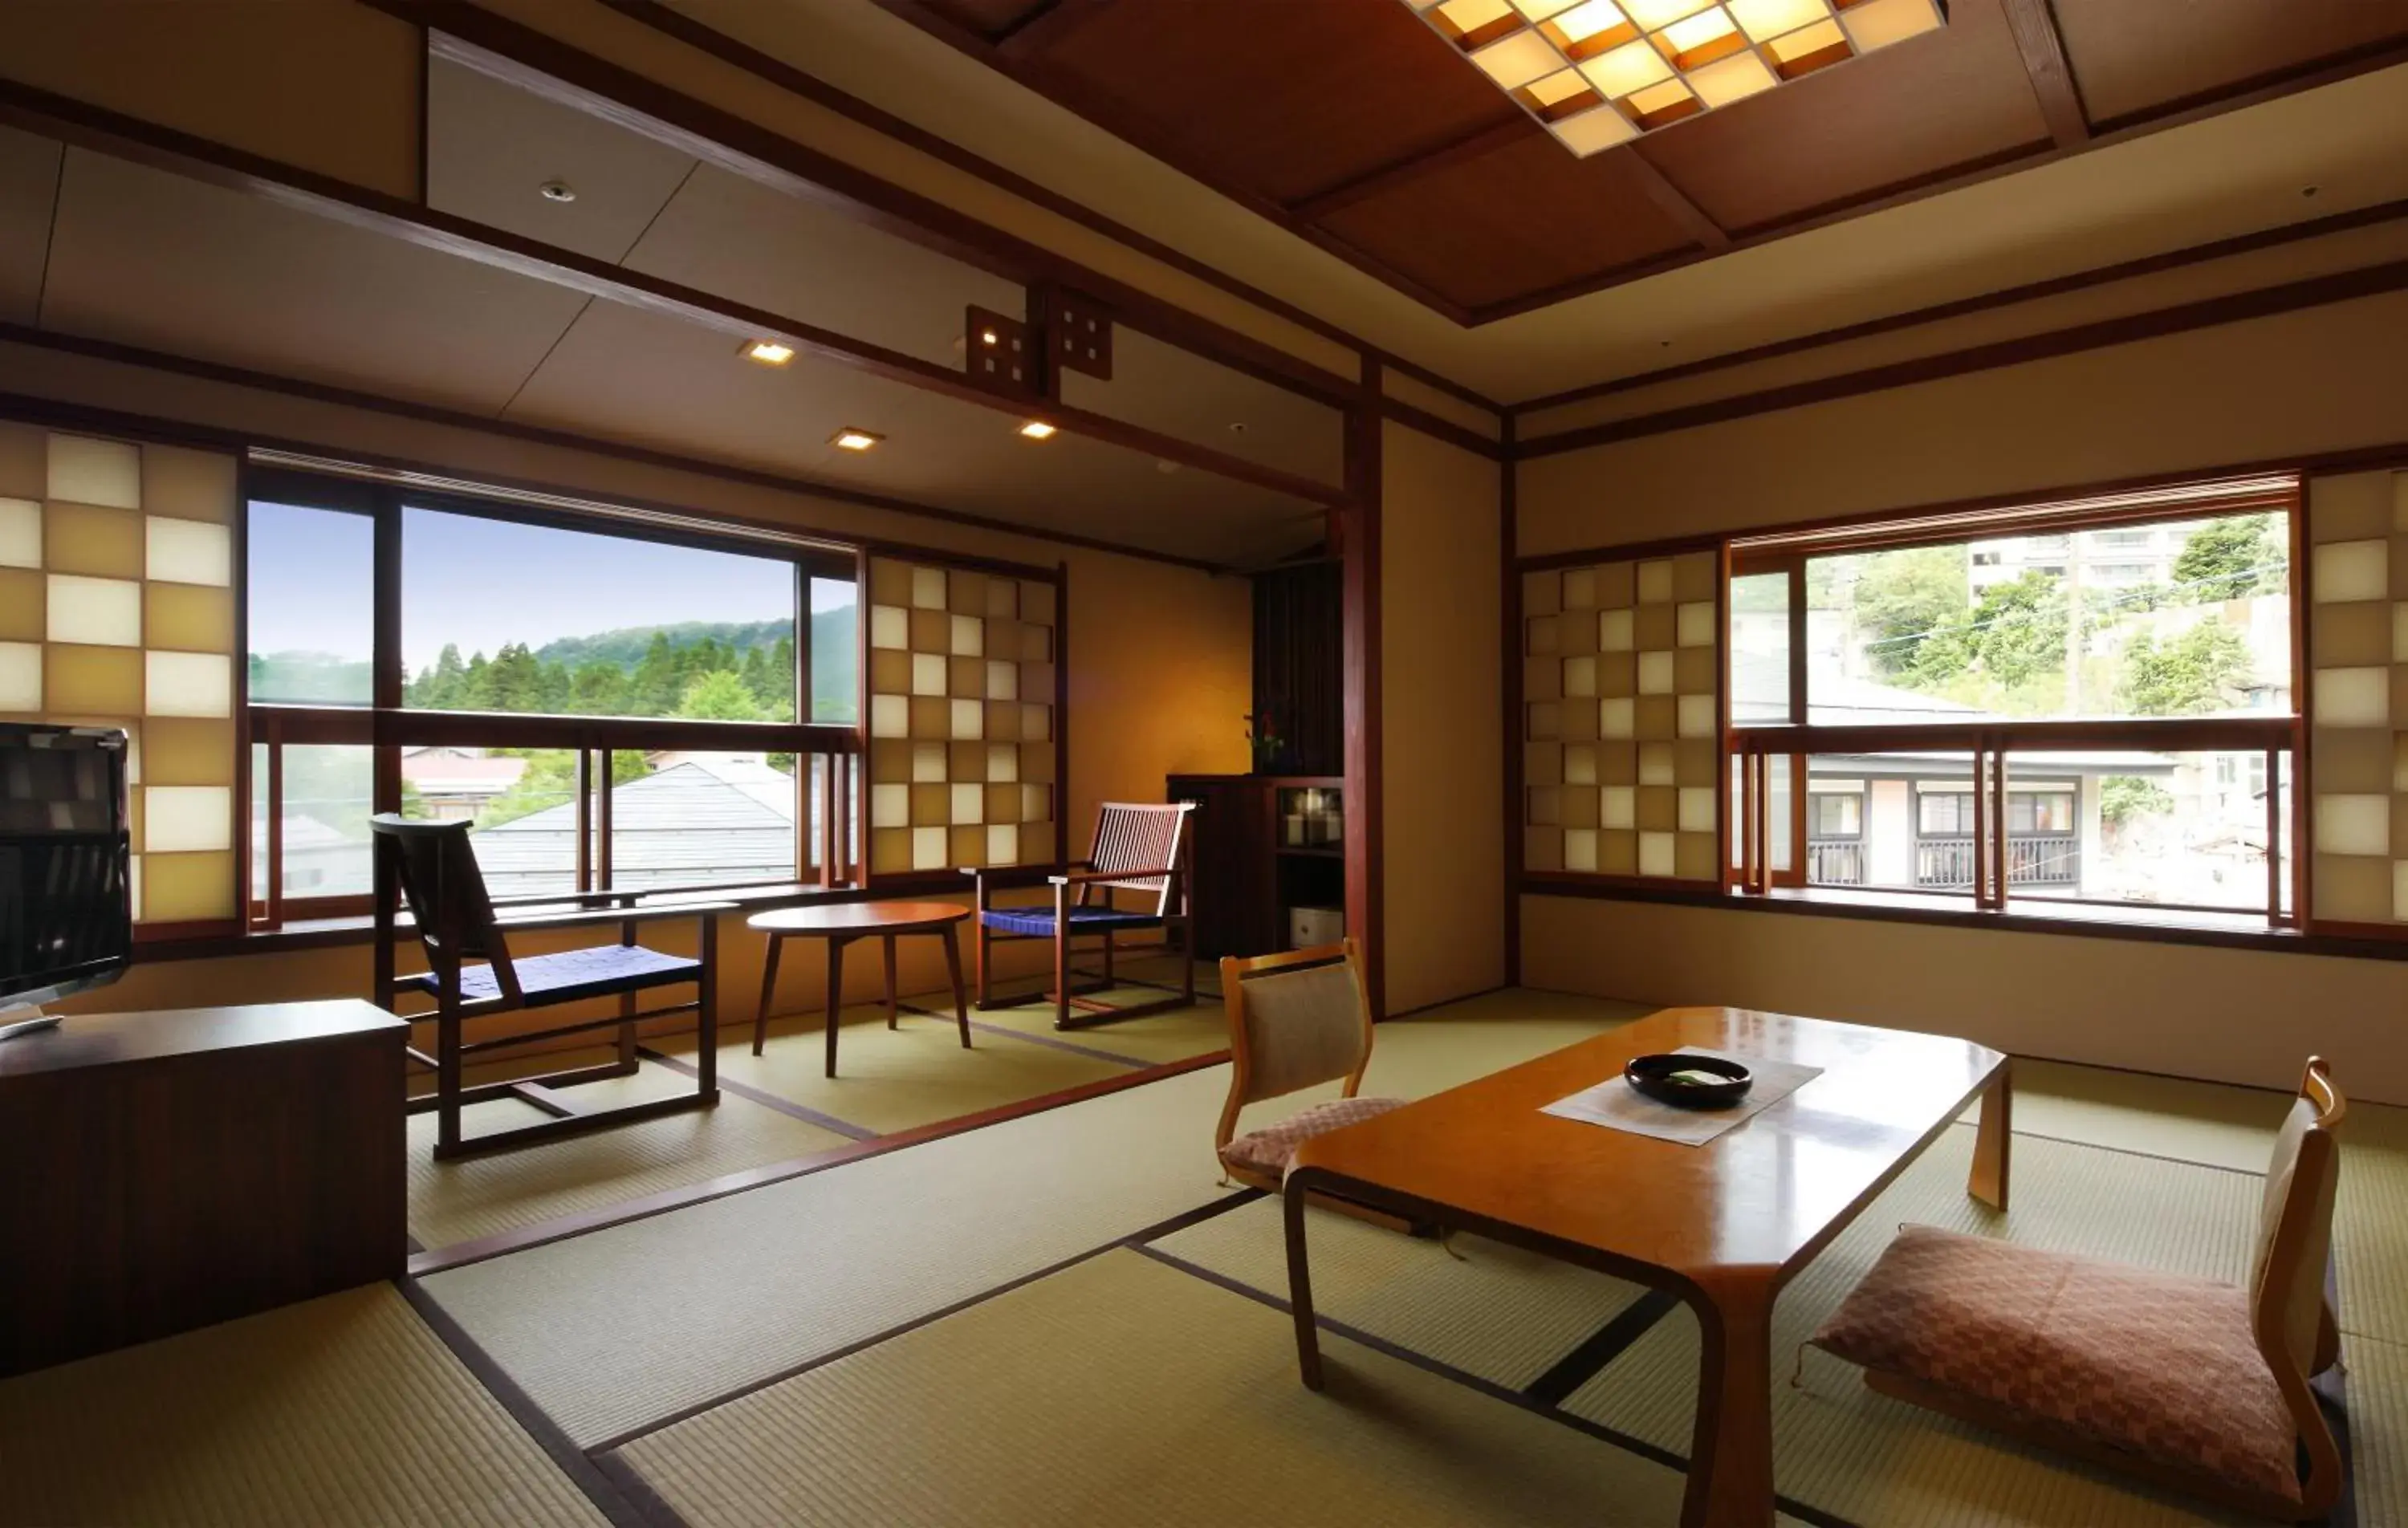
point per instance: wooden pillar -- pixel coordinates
(1359, 546)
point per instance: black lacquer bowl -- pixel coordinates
(1692, 1083)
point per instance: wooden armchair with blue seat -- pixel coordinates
(455, 921)
(1139, 848)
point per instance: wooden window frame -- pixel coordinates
(2277, 736)
(386, 726)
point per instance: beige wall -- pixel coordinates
(1441, 756)
(2321, 379)
(1160, 658)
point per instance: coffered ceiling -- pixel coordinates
(1359, 127)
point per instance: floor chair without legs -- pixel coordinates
(2192, 1385)
(1296, 1020)
(1140, 849)
(438, 879)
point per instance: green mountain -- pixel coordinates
(834, 637)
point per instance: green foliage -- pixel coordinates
(303, 678)
(2019, 630)
(2227, 559)
(720, 695)
(549, 779)
(2191, 675)
(2124, 798)
(1901, 596)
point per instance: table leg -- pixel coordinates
(835, 997)
(1299, 1288)
(1993, 1140)
(960, 1001)
(769, 987)
(889, 942)
(1731, 1456)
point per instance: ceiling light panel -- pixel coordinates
(1600, 72)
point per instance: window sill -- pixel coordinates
(2230, 931)
(327, 933)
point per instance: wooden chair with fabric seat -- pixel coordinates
(1140, 848)
(2197, 1386)
(437, 876)
(1296, 1020)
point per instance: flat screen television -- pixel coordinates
(66, 914)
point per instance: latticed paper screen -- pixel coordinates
(961, 718)
(1621, 664)
(2357, 696)
(116, 609)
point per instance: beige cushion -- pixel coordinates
(1270, 1149)
(1302, 1027)
(2151, 1363)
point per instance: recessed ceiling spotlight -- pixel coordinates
(2309, 191)
(1036, 429)
(1239, 428)
(850, 439)
(769, 352)
(558, 191)
(1165, 468)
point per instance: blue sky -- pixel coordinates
(482, 583)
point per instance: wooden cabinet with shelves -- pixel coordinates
(1263, 846)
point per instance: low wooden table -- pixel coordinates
(1722, 1225)
(840, 926)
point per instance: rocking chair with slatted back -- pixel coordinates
(1140, 849)
(438, 877)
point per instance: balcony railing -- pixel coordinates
(2032, 860)
(1835, 861)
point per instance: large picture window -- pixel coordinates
(612, 709)
(2088, 702)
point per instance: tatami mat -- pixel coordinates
(345, 1409)
(624, 1326)
(2161, 1116)
(1122, 1392)
(1881, 1464)
(469, 1197)
(1494, 1311)
(893, 1079)
(2376, 1389)
(1154, 1038)
(1423, 1052)
(2372, 1222)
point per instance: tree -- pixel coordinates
(2018, 630)
(1901, 598)
(720, 695)
(2124, 798)
(2227, 559)
(2191, 675)
(658, 682)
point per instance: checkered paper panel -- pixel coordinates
(2357, 696)
(1621, 666)
(116, 609)
(961, 718)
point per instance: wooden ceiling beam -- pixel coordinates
(1478, 143)
(1674, 203)
(1044, 26)
(137, 141)
(2043, 47)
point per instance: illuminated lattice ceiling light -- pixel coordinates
(1601, 72)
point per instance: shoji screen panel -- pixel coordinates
(2358, 697)
(117, 609)
(1621, 720)
(961, 718)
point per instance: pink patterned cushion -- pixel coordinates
(2152, 1364)
(1270, 1149)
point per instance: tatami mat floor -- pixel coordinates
(1064, 1318)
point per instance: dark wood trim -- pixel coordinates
(1509, 689)
(2052, 77)
(1674, 203)
(180, 432)
(2346, 941)
(2266, 239)
(1076, 97)
(1627, 551)
(181, 153)
(540, 64)
(1051, 22)
(2315, 291)
(1477, 144)
(1062, 851)
(1988, 168)
(1446, 430)
(460, 1254)
(1359, 542)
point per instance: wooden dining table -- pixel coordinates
(1722, 1225)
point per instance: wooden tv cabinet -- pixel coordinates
(170, 1170)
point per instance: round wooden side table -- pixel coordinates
(840, 926)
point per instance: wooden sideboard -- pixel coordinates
(174, 1170)
(1248, 878)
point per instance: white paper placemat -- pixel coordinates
(1617, 1106)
